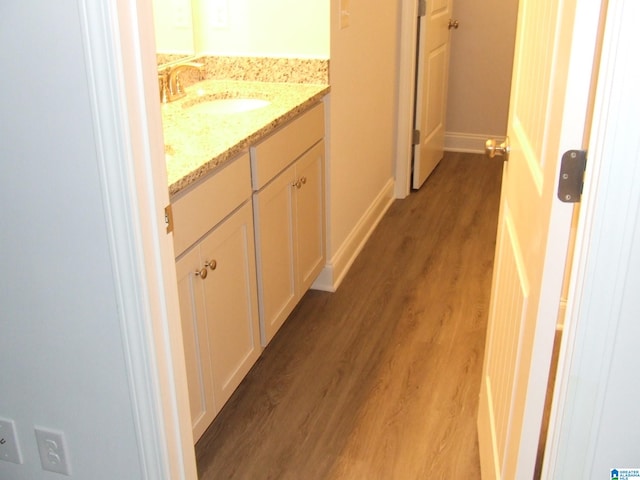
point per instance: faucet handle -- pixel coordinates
(163, 85)
(175, 86)
(196, 65)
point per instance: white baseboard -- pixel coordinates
(467, 142)
(338, 265)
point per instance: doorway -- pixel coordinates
(478, 82)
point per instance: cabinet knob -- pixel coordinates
(212, 264)
(298, 183)
(202, 273)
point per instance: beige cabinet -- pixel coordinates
(218, 294)
(244, 259)
(289, 217)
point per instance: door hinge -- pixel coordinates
(571, 181)
(422, 8)
(168, 218)
(416, 137)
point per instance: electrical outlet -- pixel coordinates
(345, 13)
(53, 454)
(218, 13)
(181, 13)
(9, 448)
(182, 18)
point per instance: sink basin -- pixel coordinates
(229, 105)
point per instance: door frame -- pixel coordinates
(407, 67)
(609, 216)
(120, 63)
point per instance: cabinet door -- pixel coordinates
(309, 225)
(191, 295)
(231, 302)
(273, 211)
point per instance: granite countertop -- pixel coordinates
(196, 143)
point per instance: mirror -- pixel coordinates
(242, 28)
(175, 40)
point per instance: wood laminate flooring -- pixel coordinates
(379, 380)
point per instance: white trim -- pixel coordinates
(406, 97)
(98, 22)
(139, 59)
(115, 53)
(467, 142)
(250, 54)
(609, 216)
(337, 267)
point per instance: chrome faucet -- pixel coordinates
(169, 80)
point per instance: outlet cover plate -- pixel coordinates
(53, 451)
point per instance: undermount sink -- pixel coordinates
(228, 105)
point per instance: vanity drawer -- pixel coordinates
(276, 152)
(199, 209)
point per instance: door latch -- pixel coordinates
(168, 218)
(415, 140)
(571, 181)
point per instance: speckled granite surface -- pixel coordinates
(196, 143)
(165, 58)
(255, 69)
(265, 69)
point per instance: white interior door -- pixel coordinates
(431, 88)
(553, 62)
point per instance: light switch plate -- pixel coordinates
(9, 448)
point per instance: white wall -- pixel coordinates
(480, 72)
(61, 351)
(363, 72)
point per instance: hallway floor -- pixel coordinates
(379, 380)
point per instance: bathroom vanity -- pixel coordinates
(246, 179)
